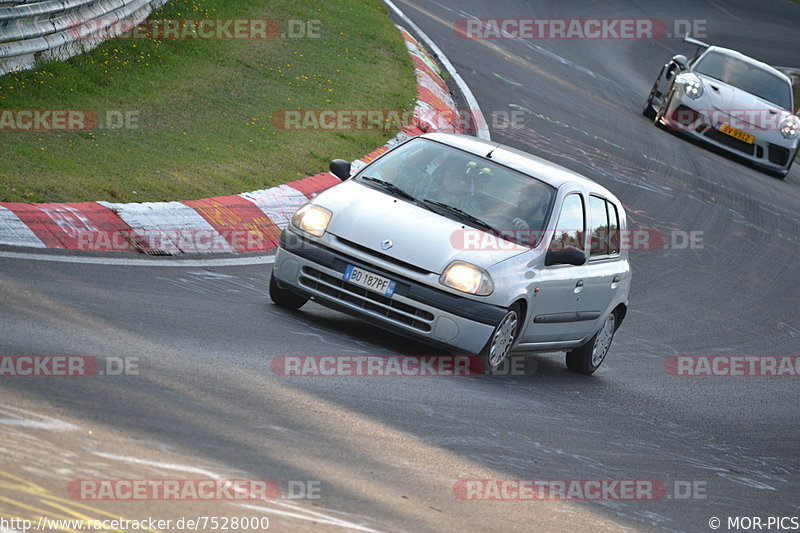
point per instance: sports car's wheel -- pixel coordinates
(662, 108)
(502, 340)
(648, 110)
(588, 358)
(284, 297)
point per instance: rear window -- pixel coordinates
(605, 227)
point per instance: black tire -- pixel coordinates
(502, 339)
(648, 110)
(662, 108)
(584, 360)
(285, 298)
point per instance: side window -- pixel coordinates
(570, 228)
(600, 227)
(613, 229)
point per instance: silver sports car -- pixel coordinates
(731, 101)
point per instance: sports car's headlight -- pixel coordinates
(693, 87)
(790, 127)
(312, 219)
(467, 278)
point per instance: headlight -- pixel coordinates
(790, 127)
(467, 278)
(312, 219)
(693, 87)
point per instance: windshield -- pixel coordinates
(745, 76)
(465, 188)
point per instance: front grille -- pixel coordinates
(370, 301)
(729, 141)
(778, 154)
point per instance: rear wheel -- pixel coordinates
(285, 298)
(502, 340)
(588, 358)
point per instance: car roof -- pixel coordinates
(750, 60)
(546, 171)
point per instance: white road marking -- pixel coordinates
(480, 121)
(21, 418)
(114, 261)
(307, 514)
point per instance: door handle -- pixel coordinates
(578, 287)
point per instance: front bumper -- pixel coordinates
(415, 310)
(770, 150)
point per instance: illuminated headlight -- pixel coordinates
(693, 87)
(312, 219)
(790, 127)
(467, 278)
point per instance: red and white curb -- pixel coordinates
(246, 222)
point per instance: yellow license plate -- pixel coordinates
(736, 134)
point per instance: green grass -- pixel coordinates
(796, 88)
(204, 107)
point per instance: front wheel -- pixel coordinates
(588, 358)
(648, 110)
(502, 340)
(285, 298)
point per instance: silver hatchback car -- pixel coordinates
(458, 242)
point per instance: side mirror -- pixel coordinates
(681, 61)
(340, 168)
(567, 256)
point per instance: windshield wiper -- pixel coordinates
(463, 215)
(391, 187)
(395, 190)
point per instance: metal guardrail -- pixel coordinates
(33, 30)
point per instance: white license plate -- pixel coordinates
(368, 280)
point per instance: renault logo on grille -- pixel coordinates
(387, 244)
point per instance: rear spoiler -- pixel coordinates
(699, 44)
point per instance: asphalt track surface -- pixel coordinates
(387, 451)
